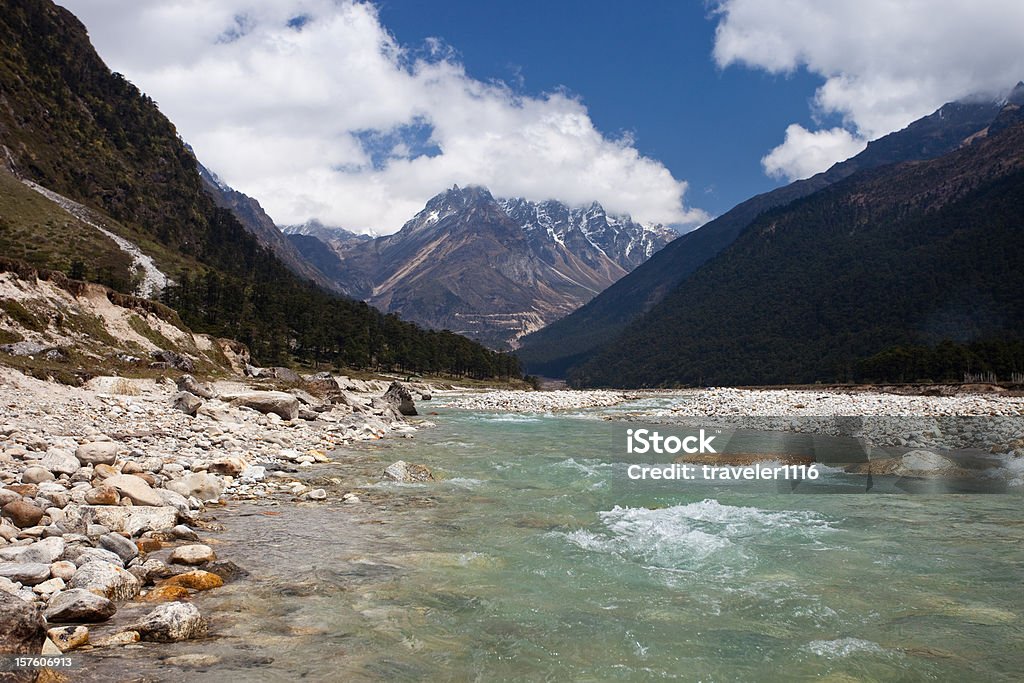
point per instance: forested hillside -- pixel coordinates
(570, 341)
(911, 268)
(74, 127)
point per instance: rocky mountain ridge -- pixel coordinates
(252, 216)
(494, 269)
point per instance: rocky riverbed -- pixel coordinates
(107, 492)
(537, 401)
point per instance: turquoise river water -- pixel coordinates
(536, 558)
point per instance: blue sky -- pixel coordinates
(649, 72)
(356, 112)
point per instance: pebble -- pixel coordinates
(101, 452)
(79, 605)
(119, 545)
(106, 579)
(22, 513)
(196, 579)
(102, 495)
(192, 554)
(68, 638)
(122, 638)
(63, 569)
(167, 593)
(50, 586)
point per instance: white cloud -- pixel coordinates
(805, 153)
(885, 63)
(333, 119)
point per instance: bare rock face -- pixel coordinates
(172, 622)
(22, 632)
(531, 263)
(278, 402)
(400, 398)
(174, 360)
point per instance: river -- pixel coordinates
(535, 557)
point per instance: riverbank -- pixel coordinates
(753, 402)
(108, 492)
(536, 401)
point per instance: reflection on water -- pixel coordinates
(537, 558)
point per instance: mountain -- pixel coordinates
(98, 169)
(493, 269)
(328, 234)
(254, 219)
(906, 271)
(590, 233)
(571, 340)
(319, 245)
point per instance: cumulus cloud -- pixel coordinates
(805, 153)
(313, 107)
(884, 63)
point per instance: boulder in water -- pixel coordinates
(172, 622)
(400, 398)
(406, 473)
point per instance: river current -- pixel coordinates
(535, 557)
